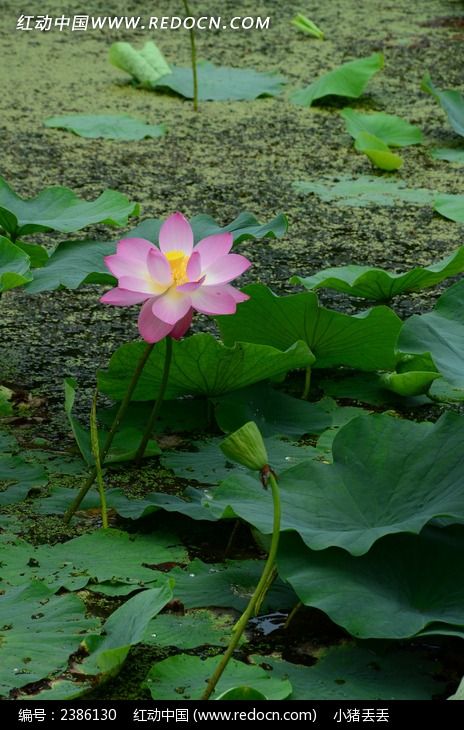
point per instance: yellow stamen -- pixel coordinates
(178, 262)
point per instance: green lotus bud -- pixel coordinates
(246, 446)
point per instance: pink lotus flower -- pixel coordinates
(176, 278)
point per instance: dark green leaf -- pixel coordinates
(200, 366)
(387, 476)
(191, 629)
(378, 284)
(39, 632)
(185, 677)
(403, 584)
(14, 265)
(59, 209)
(365, 341)
(345, 672)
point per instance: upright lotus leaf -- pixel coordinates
(145, 66)
(59, 209)
(14, 265)
(307, 26)
(200, 366)
(106, 126)
(74, 263)
(350, 79)
(124, 628)
(388, 475)
(378, 152)
(39, 632)
(450, 206)
(125, 443)
(390, 129)
(380, 285)
(364, 191)
(347, 671)
(451, 101)
(441, 333)
(38, 255)
(365, 341)
(221, 83)
(184, 677)
(404, 584)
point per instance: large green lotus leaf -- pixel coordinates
(59, 209)
(345, 672)
(207, 463)
(200, 627)
(201, 365)
(350, 79)
(221, 83)
(229, 584)
(39, 632)
(273, 412)
(450, 206)
(74, 263)
(184, 677)
(14, 265)
(451, 101)
(387, 476)
(392, 130)
(124, 445)
(107, 126)
(440, 333)
(364, 191)
(100, 556)
(191, 503)
(18, 477)
(404, 583)
(365, 341)
(378, 284)
(378, 152)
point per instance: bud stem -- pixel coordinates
(258, 595)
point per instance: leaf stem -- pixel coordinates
(193, 53)
(258, 595)
(96, 455)
(307, 384)
(158, 403)
(109, 439)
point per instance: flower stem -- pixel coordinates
(96, 455)
(158, 403)
(258, 595)
(307, 384)
(109, 439)
(193, 53)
